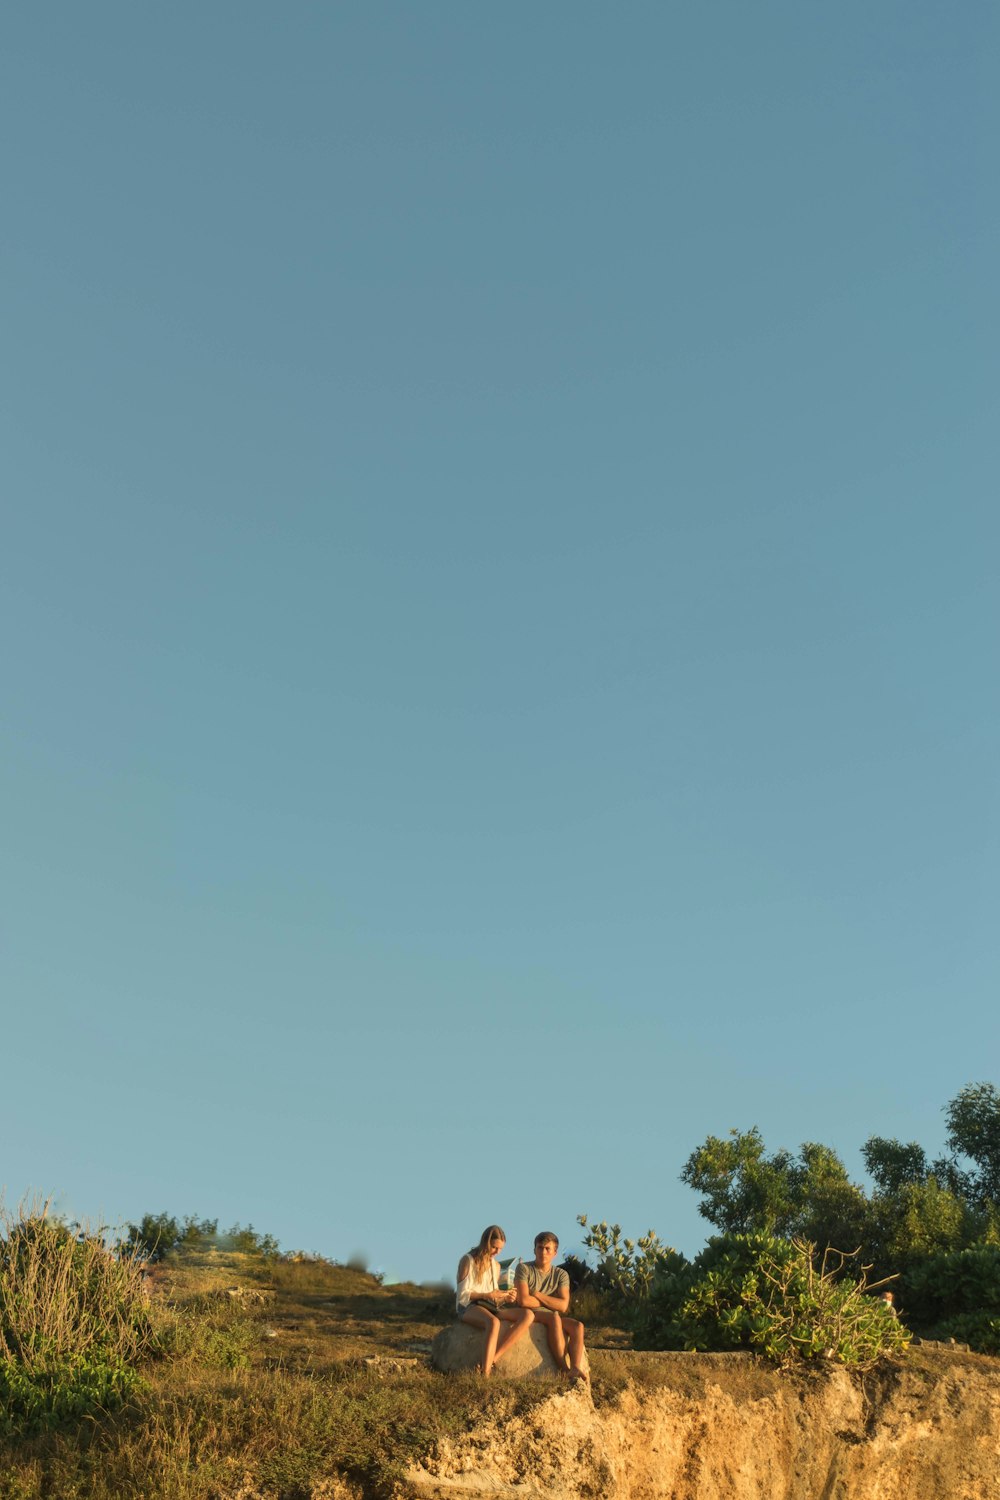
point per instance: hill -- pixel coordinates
(295, 1379)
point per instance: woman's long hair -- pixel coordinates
(482, 1253)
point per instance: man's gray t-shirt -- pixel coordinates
(553, 1283)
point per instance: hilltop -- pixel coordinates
(290, 1378)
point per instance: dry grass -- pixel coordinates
(43, 1266)
(260, 1388)
(288, 1380)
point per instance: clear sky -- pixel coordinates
(499, 603)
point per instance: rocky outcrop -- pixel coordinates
(725, 1427)
(460, 1347)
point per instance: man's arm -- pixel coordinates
(522, 1296)
(525, 1298)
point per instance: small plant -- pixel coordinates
(804, 1310)
(625, 1267)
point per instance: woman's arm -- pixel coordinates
(466, 1292)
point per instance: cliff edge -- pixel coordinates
(726, 1427)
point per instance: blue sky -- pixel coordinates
(499, 604)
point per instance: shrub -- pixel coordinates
(768, 1294)
(700, 1304)
(625, 1267)
(957, 1295)
(248, 1241)
(73, 1321)
(579, 1272)
(157, 1235)
(220, 1339)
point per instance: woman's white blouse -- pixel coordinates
(475, 1283)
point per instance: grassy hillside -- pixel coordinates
(266, 1377)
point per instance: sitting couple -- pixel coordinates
(540, 1294)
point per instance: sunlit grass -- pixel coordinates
(255, 1383)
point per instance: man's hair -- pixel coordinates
(547, 1234)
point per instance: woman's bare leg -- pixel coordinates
(517, 1321)
(480, 1318)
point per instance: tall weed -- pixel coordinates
(74, 1320)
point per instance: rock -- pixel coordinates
(460, 1347)
(251, 1295)
(732, 1427)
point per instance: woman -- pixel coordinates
(480, 1301)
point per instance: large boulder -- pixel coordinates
(460, 1347)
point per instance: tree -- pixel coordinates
(833, 1210)
(891, 1164)
(917, 1207)
(748, 1192)
(974, 1132)
(745, 1192)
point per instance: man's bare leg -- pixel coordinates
(574, 1331)
(552, 1323)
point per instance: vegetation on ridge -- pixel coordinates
(802, 1247)
(264, 1375)
(179, 1362)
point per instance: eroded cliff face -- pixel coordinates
(722, 1427)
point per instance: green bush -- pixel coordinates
(157, 1235)
(957, 1295)
(700, 1304)
(625, 1268)
(73, 1322)
(771, 1295)
(248, 1241)
(981, 1331)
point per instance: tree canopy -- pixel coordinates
(916, 1207)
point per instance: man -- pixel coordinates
(545, 1289)
(890, 1302)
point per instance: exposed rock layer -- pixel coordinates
(722, 1427)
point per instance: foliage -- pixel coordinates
(974, 1132)
(625, 1267)
(74, 1321)
(810, 1310)
(917, 1207)
(768, 1294)
(214, 1335)
(916, 1220)
(698, 1304)
(744, 1190)
(981, 1331)
(892, 1165)
(959, 1288)
(157, 1235)
(246, 1240)
(581, 1274)
(957, 1296)
(747, 1192)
